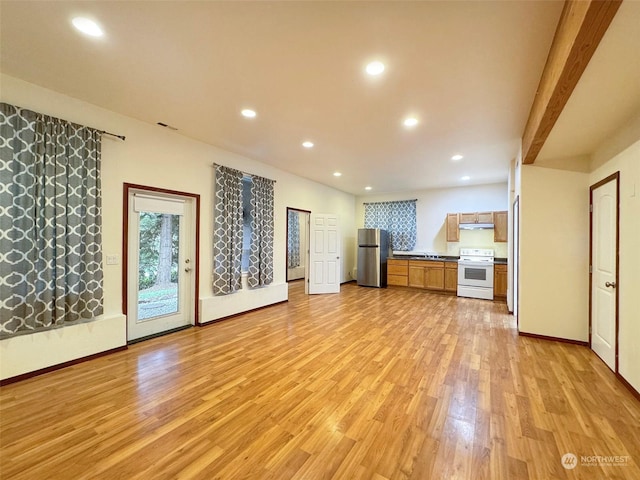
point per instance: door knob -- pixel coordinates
(188, 269)
(610, 284)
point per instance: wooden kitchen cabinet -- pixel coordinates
(476, 217)
(498, 219)
(451, 277)
(425, 274)
(485, 217)
(500, 228)
(398, 272)
(500, 278)
(453, 228)
(434, 275)
(468, 217)
(416, 274)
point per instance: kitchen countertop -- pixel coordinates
(496, 261)
(433, 259)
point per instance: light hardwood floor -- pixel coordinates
(365, 384)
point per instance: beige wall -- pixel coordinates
(158, 157)
(554, 253)
(554, 247)
(432, 208)
(628, 164)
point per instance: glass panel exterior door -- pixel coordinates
(158, 254)
(160, 291)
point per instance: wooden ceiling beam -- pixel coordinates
(581, 27)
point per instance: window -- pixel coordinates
(243, 230)
(398, 218)
(51, 217)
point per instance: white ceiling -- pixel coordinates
(606, 97)
(467, 70)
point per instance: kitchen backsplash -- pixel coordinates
(477, 239)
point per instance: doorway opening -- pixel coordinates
(297, 244)
(160, 260)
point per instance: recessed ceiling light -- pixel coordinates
(87, 26)
(337, 174)
(410, 122)
(307, 144)
(375, 68)
(466, 177)
(367, 188)
(248, 113)
(457, 157)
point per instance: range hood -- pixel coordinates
(476, 226)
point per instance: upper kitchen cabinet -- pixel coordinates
(485, 217)
(453, 230)
(476, 217)
(468, 217)
(500, 220)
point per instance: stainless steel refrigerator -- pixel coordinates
(373, 247)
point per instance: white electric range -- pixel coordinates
(475, 273)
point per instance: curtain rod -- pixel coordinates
(121, 137)
(391, 201)
(244, 173)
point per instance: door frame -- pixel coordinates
(286, 247)
(613, 177)
(515, 268)
(126, 190)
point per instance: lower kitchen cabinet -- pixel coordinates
(500, 278)
(397, 272)
(434, 275)
(428, 274)
(416, 274)
(451, 277)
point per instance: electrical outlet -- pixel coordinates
(113, 259)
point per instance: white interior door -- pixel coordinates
(604, 226)
(516, 258)
(324, 256)
(160, 288)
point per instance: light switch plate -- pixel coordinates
(113, 259)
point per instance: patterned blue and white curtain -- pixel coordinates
(398, 218)
(262, 228)
(227, 231)
(293, 240)
(50, 222)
